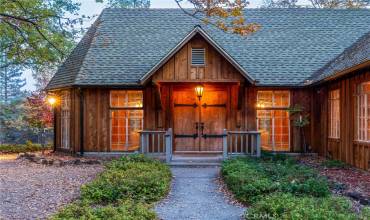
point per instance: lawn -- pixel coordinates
(277, 187)
(126, 189)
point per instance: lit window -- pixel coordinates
(334, 111)
(273, 120)
(65, 107)
(363, 112)
(126, 119)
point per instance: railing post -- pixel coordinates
(142, 142)
(258, 144)
(168, 137)
(224, 145)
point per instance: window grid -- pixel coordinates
(334, 114)
(65, 106)
(126, 119)
(363, 111)
(273, 119)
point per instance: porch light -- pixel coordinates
(199, 91)
(51, 100)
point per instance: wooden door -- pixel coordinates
(213, 119)
(198, 124)
(186, 117)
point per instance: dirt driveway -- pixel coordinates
(34, 191)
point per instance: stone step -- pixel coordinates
(194, 164)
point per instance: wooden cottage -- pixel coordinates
(158, 81)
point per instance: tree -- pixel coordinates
(127, 3)
(11, 82)
(338, 4)
(35, 32)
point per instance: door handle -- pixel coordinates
(201, 127)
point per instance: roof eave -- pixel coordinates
(341, 73)
(184, 41)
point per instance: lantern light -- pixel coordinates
(52, 100)
(199, 91)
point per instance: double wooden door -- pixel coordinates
(198, 124)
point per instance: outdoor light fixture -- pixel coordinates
(52, 100)
(199, 91)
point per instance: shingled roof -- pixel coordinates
(357, 54)
(124, 45)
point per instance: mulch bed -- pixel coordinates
(347, 181)
(31, 190)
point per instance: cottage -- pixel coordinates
(159, 81)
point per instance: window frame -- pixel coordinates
(273, 108)
(361, 97)
(334, 128)
(123, 108)
(65, 120)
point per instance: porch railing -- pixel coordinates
(241, 143)
(156, 143)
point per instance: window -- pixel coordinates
(334, 111)
(363, 112)
(198, 56)
(273, 120)
(126, 119)
(65, 107)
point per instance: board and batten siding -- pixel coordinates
(346, 148)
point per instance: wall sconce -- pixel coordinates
(52, 101)
(199, 91)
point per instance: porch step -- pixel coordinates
(196, 160)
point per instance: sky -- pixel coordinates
(90, 7)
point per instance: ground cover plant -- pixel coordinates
(21, 148)
(277, 187)
(126, 189)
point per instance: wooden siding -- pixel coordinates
(179, 68)
(346, 148)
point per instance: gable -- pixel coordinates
(179, 67)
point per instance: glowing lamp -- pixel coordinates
(52, 101)
(199, 91)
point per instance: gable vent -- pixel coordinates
(198, 56)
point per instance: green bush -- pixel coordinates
(365, 213)
(124, 190)
(137, 178)
(127, 210)
(334, 164)
(21, 148)
(250, 178)
(288, 206)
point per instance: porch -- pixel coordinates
(159, 144)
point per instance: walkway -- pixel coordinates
(195, 195)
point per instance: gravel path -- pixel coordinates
(196, 194)
(34, 191)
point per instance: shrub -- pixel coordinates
(136, 177)
(250, 178)
(365, 213)
(334, 164)
(288, 206)
(127, 210)
(21, 148)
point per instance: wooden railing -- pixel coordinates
(156, 143)
(241, 143)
